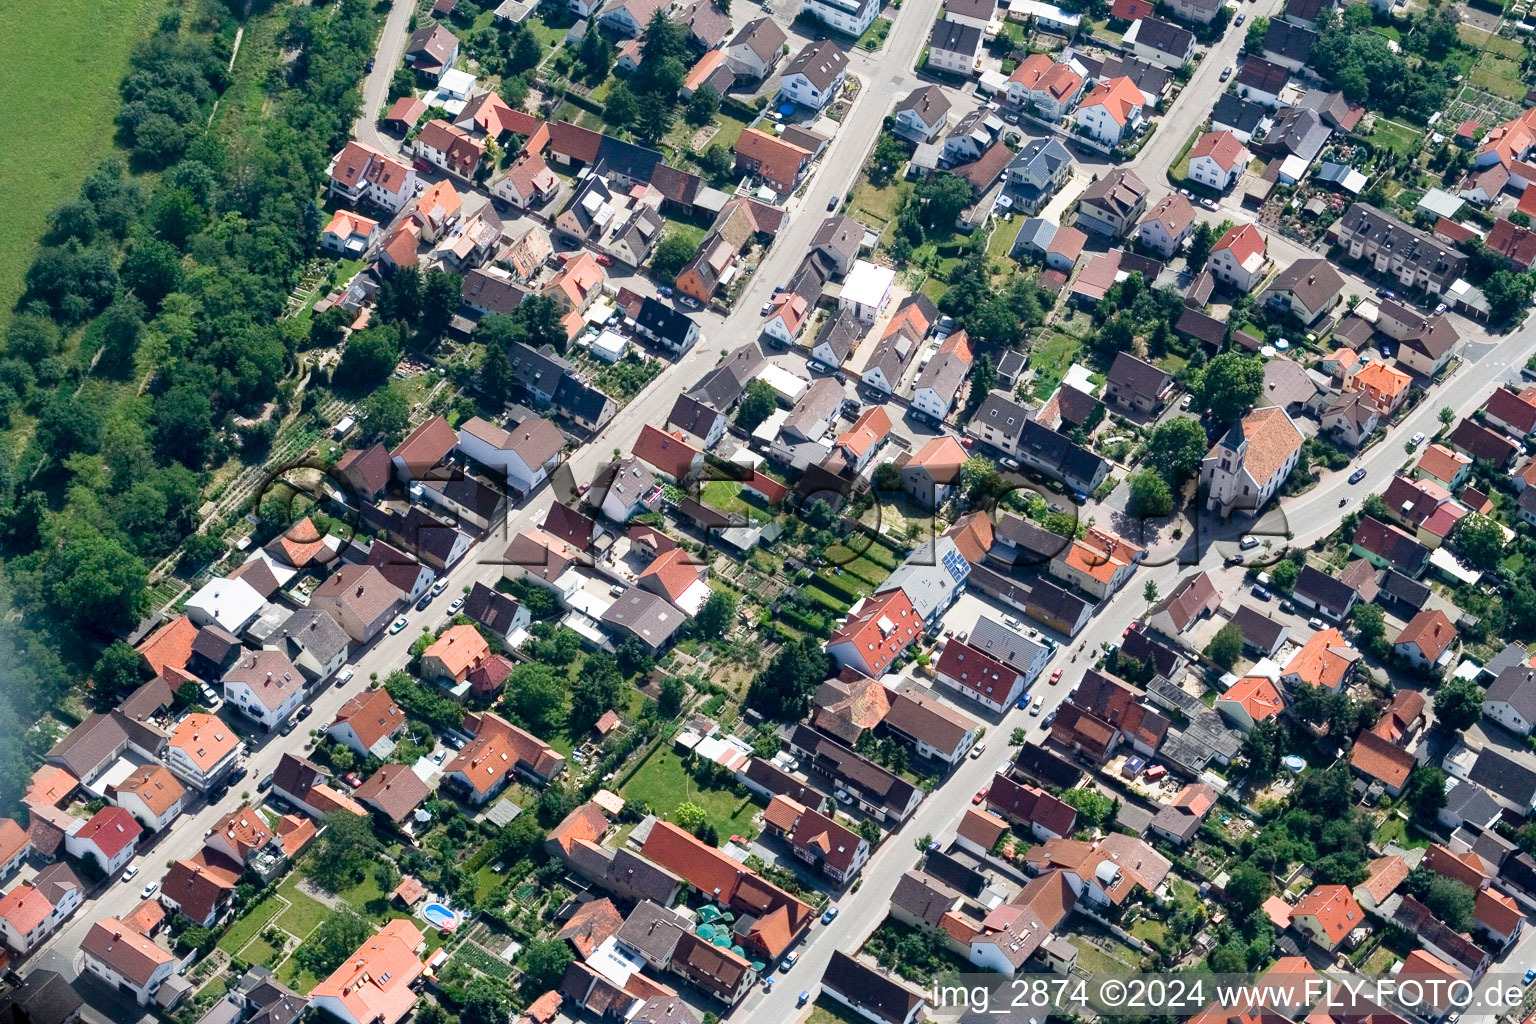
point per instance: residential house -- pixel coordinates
(1326, 660)
(882, 795)
(1112, 204)
(672, 330)
(498, 751)
(838, 240)
(526, 454)
(1307, 289)
(265, 686)
(1249, 701)
(1098, 564)
(369, 722)
(648, 617)
(1261, 634)
(1516, 244)
(953, 46)
(627, 19)
(1160, 42)
(816, 74)
(937, 387)
(1326, 915)
(313, 641)
(868, 992)
(377, 983)
(1428, 641)
(1262, 82)
(1513, 412)
(1217, 160)
(780, 164)
(834, 342)
(973, 135)
(1167, 225)
(1192, 599)
(1511, 699)
(362, 174)
(1483, 444)
(110, 837)
(755, 49)
(1041, 815)
(1352, 418)
(999, 422)
(874, 634)
(1049, 87)
(359, 598)
(1409, 256)
(1111, 112)
(1385, 546)
(850, 17)
(349, 234)
(32, 911)
(922, 116)
(1201, 11)
(126, 961)
(1243, 118)
(1036, 172)
(150, 793)
(866, 290)
(202, 750)
(834, 849)
(449, 148)
(1384, 387)
(1240, 258)
(1103, 873)
(1427, 343)
(933, 472)
(1381, 761)
(431, 51)
(904, 332)
(1135, 385)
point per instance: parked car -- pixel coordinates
(832, 204)
(1357, 476)
(1034, 709)
(351, 779)
(1226, 72)
(1417, 439)
(1240, 19)
(288, 727)
(368, 64)
(345, 676)
(1210, 204)
(1260, 593)
(209, 694)
(1287, 607)
(802, 999)
(426, 599)
(398, 625)
(440, 586)
(1441, 308)
(453, 609)
(1056, 677)
(130, 871)
(829, 915)
(790, 959)
(1248, 541)
(981, 794)
(306, 711)
(265, 783)
(767, 308)
(1530, 975)
(149, 890)
(604, 260)
(1385, 293)
(977, 750)
(1317, 623)
(1048, 719)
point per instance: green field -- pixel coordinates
(1499, 76)
(663, 783)
(59, 132)
(1050, 360)
(1397, 137)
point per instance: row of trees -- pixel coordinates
(182, 286)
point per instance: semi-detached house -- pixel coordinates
(526, 454)
(1049, 87)
(362, 174)
(127, 961)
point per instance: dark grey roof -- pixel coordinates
(997, 641)
(819, 404)
(1298, 132)
(762, 35)
(1232, 111)
(664, 321)
(312, 631)
(43, 997)
(1289, 41)
(1164, 36)
(868, 991)
(538, 370)
(1032, 543)
(1059, 453)
(1471, 802)
(842, 235)
(1137, 376)
(1010, 364)
(1046, 768)
(924, 897)
(928, 102)
(781, 783)
(1000, 411)
(581, 400)
(1513, 654)
(721, 386)
(1444, 263)
(853, 771)
(491, 608)
(819, 62)
(953, 37)
(652, 930)
(1324, 590)
(1516, 686)
(1258, 629)
(643, 614)
(1404, 589)
(839, 333)
(692, 415)
(1505, 777)
(811, 276)
(1153, 79)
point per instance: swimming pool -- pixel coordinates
(440, 917)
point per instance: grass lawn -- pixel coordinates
(726, 496)
(730, 130)
(1399, 138)
(1395, 830)
(663, 784)
(1150, 930)
(259, 951)
(1050, 361)
(84, 46)
(257, 918)
(934, 289)
(830, 1011)
(875, 204)
(305, 914)
(1004, 235)
(366, 896)
(691, 232)
(874, 36)
(1499, 76)
(549, 30)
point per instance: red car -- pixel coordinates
(1056, 677)
(352, 780)
(604, 260)
(981, 794)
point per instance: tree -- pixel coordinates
(890, 153)
(1019, 737)
(1425, 792)
(980, 479)
(386, 415)
(1150, 496)
(983, 380)
(399, 297)
(1247, 888)
(1480, 539)
(1507, 293)
(370, 357)
(670, 697)
(1226, 646)
(1094, 809)
(869, 831)
(119, 670)
(689, 815)
(485, 1000)
(672, 254)
(782, 690)
(1258, 28)
(440, 295)
(757, 404)
(1449, 900)
(634, 656)
(340, 935)
(1458, 704)
(716, 161)
(1232, 384)
(1283, 575)
(151, 270)
(622, 108)
(702, 106)
(1149, 592)
(923, 842)
(537, 698)
(544, 963)
(718, 615)
(1261, 747)
(1176, 447)
(595, 57)
(1370, 621)
(347, 851)
(496, 377)
(595, 689)
(1201, 242)
(940, 199)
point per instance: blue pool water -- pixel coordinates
(440, 916)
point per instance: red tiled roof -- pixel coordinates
(110, 830)
(1381, 759)
(1222, 147)
(1430, 631)
(1334, 908)
(171, 644)
(882, 629)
